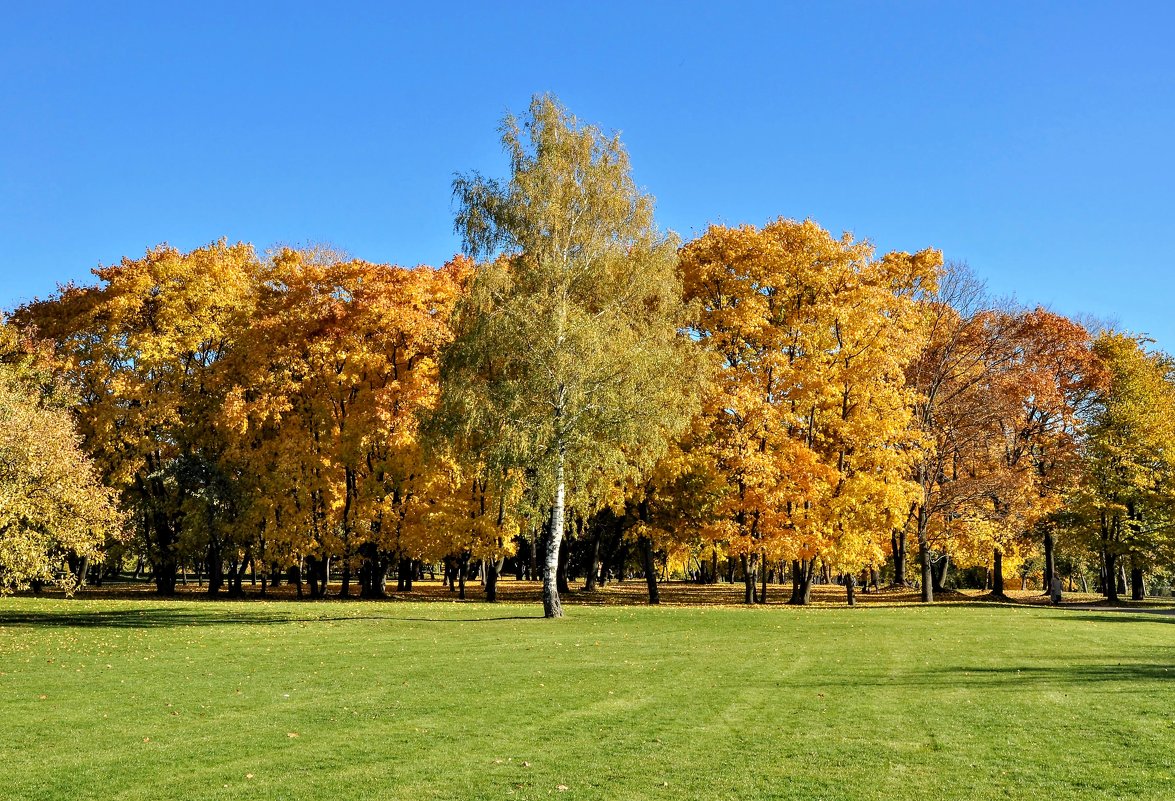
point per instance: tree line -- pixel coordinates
(579, 388)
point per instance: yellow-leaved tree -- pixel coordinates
(811, 426)
(138, 351)
(55, 515)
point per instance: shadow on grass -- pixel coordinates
(1125, 616)
(164, 617)
(1037, 675)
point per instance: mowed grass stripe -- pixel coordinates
(403, 700)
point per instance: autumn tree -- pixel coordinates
(55, 515)
(1124, 501)
(137, 350)
(338, 361)
(998, 391)
(570, 344)
(1048, 386)
(810, 426)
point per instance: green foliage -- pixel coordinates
(569, 359)
(568, 346)
(1124, 504)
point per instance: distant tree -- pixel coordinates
(1125, 499)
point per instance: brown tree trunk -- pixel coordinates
(493, 568)
(850, 585)
(345, 589)
(1110, 584)
(748, 563)
(997, 573)
(939, 573)
(215, 570)
(561, 573)
(802, 572)
(924, 555)
(532, 562)
(898, 544)
(1137, 588)
(795, 583)
(650, 568)
(593, 573)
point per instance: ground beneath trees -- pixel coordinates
(626, 593)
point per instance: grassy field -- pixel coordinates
(145, 699)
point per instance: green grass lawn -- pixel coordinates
(253, 700)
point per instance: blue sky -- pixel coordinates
(1031, 140)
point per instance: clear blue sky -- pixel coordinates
(1032, 140)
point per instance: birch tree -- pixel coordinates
(569, 346)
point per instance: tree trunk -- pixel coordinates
(924, 556)
(939, 572)
(850, 585)
(82, 569)
(312, 576)
(650, 567)
(802, 572)
(345, 589)
(165, 566)
(898, 544)
(763, 579)
(215, 570)
(551, 605)
(493, 567)
(748, 562)
(795, 582)
(1110, 585)
(1050, 560)
(593, 572)
(997, 573)
(1137, 588)
(561, 573)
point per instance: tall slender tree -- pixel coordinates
(569, 346)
